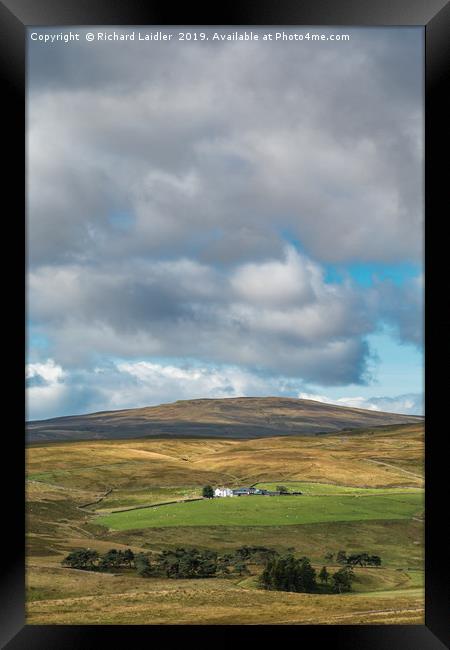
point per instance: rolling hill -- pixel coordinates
(241, 417)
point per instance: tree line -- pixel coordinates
(280, 572)
(355, 559)
(89, 560)
(176, 563)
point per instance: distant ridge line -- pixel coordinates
(232, 417)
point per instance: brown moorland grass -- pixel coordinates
(64, 476)
(101, 599)
(345, 460)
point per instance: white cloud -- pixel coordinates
(126, 384)
(409, 404)
(292, 280)
(170, 382)
(49, 371)
(46, 389)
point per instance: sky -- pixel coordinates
(221, 219)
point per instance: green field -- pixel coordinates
(269, 511)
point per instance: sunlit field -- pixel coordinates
(359, 493)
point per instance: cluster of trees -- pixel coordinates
(254, 554)
(185, 563)
(237, 560)
(355, 559)
(90, 560)
(194, 563)
(287, 573)
(85, 558)
(176, 563)
(340, 581)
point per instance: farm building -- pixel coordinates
(241, 492)
(252, 490)
(223, 492)
(249, 491)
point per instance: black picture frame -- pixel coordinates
(434, 16)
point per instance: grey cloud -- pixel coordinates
(216, 155)
(402, 308)
(35, 380)
(291, 322)
(202, 142)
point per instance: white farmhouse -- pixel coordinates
(223, 492)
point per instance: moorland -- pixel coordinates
(362, 491)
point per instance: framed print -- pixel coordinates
(227, 227)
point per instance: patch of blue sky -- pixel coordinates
(395, 369)
(37, 341)
(364, 274)
(367, 274)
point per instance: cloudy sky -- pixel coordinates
(213, 219)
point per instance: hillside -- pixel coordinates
(242, 417)
(362, 491)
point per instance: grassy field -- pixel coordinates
(362, 492)
(269, 511)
